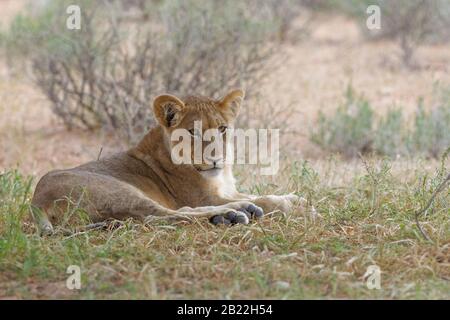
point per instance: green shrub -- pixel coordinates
(430, 134)
(349, 131)
(354, 129)
(389, 134)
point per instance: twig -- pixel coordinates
(105, 225)
(100, 153)
(85, 229)
(430, 202)
(374, 182)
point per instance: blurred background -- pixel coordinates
(311, 68)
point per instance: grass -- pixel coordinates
(367, 214)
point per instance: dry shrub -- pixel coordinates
(410, 23)
(106, 74)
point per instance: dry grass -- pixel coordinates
(293, 256)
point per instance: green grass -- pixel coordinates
(367, 218)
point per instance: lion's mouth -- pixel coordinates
(210, 169)
(210, 172)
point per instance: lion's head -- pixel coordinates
(203, 120)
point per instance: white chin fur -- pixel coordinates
(211, 173)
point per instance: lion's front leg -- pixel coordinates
(228, 214)
(287, 204)
(241, 207)
(284, 203)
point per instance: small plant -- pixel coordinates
(15, 191)
(355, 129)
(430, 134)
(350, 130)
(389, 134)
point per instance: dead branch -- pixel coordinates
(430, 202)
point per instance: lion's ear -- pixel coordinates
(168, 110)
(232, 102)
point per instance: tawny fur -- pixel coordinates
(143, 182)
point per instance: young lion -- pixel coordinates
(143, 182)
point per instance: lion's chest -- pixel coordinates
(225, 185)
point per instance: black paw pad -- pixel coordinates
(241, 218)
(248, 214)
(255, 211)
(237, 217)
(219, 220)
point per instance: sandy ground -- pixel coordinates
(317, 72)
(8, 9)
(314, 77)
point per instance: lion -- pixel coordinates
(144, 183)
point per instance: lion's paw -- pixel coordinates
(250, 209)
(231, 217)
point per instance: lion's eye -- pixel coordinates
(194, 133)
(222, 129)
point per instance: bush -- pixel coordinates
(106, 74)
(409, 22)
(354, 129)
(349, 131)
(430, 134)
(389, 135)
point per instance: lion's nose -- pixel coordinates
(213, 160)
